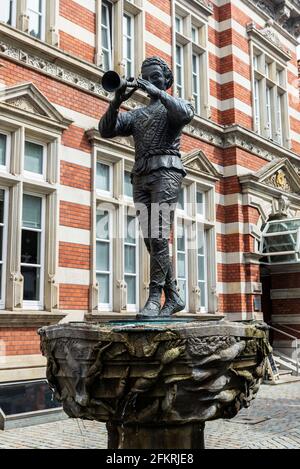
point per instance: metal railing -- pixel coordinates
(294, 345)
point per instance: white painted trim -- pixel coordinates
(74, 156)
(229, 199)
(76, 31)
(233, 170)
(223, 78)
(229, 50)
(79, 119)
(231, 103)
(230, 288)
(295, 136)
(72, 276)
(68, 234)
(158, 43)
(235, 227)
(236, 257)
(88, 4)
(74, 195)
(157, 13)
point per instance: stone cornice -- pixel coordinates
(284, 13)
(270, 39)
(202, 7)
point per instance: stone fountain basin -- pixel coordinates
(144, 378)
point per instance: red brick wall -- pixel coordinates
(20, 341)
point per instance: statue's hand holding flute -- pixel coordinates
(112, 82)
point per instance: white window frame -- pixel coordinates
(4, 246)
(32, 174)
(130, 306)
(186, 263)
(109, 30)
(102, 192)
(269, 79)
(196, 74)
(31, 304)
(278, 118)
(201, 216)
(204, 308)
(6, 167)
(13, 14)
(192, 219)
(126, 59)
(256, 105)
(126, 197)
(192, 40)
(182, 211)
(43, 20)
(179, 66)
(107, 306)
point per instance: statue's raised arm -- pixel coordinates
(156, 175)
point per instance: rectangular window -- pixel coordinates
(104, 177)
(195, 34)
(181, 199)
(255, 62)
(256, 105)
(34, 158)
(128, 44)
(278, 120)
(195, 82)
(182, 268)
(3, 149)
(104, 258)
(32, 250)
(131, 261)
(106, 34)
(268, 113)
(128, 190)
(200, 203)
(36, 13)
(179, 71)
(3, 231)
(178, 24)
(8, 12)
(202, 265)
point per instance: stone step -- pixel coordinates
(284, 380)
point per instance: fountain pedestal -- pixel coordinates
(155, 384)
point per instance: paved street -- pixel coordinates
(276, 407)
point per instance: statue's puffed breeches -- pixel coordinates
(155, 197)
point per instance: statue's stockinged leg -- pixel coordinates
(155, 198)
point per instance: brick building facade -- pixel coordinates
(65, 194)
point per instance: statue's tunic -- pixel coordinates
(156, 130)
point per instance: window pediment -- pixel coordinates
(27, 99)
(197, 162)
(280, 174)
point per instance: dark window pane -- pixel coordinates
(18, 398)
(1, 206)
(3, 140)
(32, 210)
(31, 283)
(1, 241)
(30, 253)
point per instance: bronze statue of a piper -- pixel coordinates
(157, 173)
